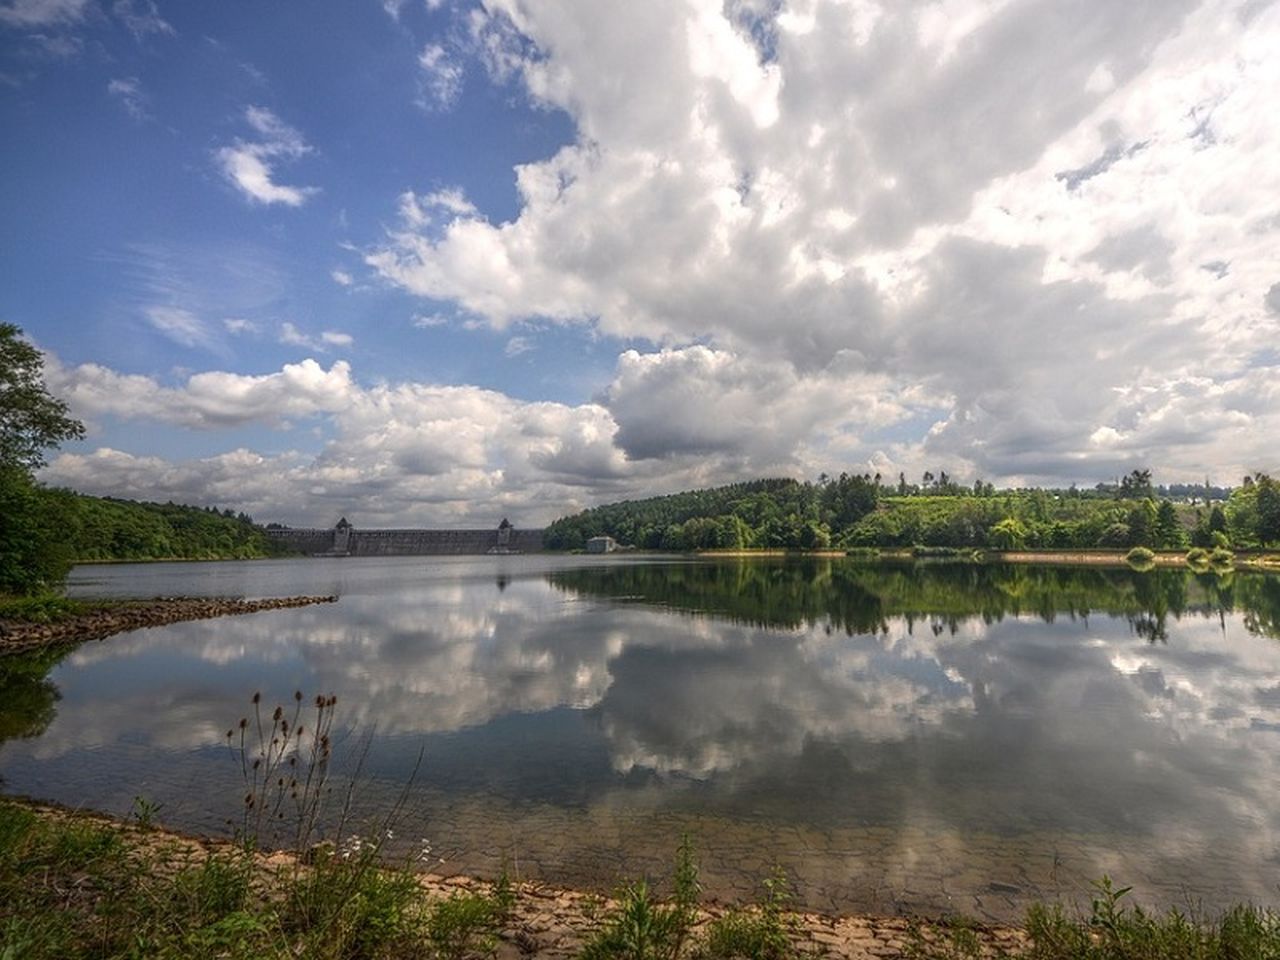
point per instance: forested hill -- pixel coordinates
(96, 528)
(775, 512)
(860, 511)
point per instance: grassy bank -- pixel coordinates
(75, 885)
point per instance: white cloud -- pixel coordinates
(209, 400)
(142, 18)
(39, 13)
(239, 325)
(290, 335)
(1001, 210)
(128, 90)
(181, 326)
(517, 345)
(441, 78)
(342, 278)
(250, 165)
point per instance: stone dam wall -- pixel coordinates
(350, 542)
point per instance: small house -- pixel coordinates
(602, 545)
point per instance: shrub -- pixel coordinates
(640, 928)
(755, 933)
(1140, 556)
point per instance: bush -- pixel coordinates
(756, 933)
(1221, 557)
(1140, 556)
(640, 928)
(1198, 557)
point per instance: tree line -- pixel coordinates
(861, 510)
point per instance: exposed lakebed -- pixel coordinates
(933, 738)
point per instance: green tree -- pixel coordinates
(1136, 486)
(33, 553)
(1169, 533)
(1009, 534)
(31, 420)
(1142, 524)
(1267, 508)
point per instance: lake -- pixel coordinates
(930, 737)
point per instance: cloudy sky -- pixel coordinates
(439, 261)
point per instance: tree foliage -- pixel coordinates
(31, 420)
(774, 513)
(102, 528)
(33, 554)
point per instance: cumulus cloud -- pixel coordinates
(395, 451)
(699, 401)
(250, 165)
(999, 210)
(209, 400)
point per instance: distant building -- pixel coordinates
(602, 545)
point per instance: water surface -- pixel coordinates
(929, 738)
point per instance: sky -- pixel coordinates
(436, 262)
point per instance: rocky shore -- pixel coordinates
(21, 637)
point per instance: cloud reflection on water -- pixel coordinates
(1000, 722)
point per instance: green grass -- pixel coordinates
(1116, 929)
(46, 608)
(72, 888)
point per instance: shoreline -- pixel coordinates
(1266, 561)
(554, 923)
(112, 617)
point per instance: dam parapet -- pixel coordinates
(345, 540)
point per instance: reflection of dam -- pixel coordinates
(344, 540)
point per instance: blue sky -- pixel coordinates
(433, 262)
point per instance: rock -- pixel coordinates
(17, 637)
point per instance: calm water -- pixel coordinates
(930, 738)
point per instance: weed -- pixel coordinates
(954, 939)
(640, 928)
(760, 932)
(285, 769)
(144, 811)
(1116, 930)
(466, 924)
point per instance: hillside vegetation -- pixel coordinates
(861, 511)
(97, 528)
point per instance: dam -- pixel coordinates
(344, 540)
